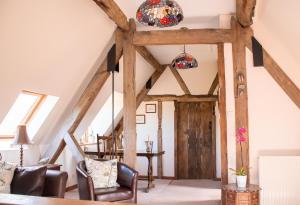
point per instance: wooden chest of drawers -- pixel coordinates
(232, 195)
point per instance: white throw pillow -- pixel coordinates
(103, 173)
(7, 171)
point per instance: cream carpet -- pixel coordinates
(175, 192)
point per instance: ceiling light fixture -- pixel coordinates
(160, 13)
(184, 61)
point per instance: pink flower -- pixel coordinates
(240, 137)
(242, 130)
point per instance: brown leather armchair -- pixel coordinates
(55, 184)
(127, 179)
(39, 182)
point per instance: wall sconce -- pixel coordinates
(241, 85)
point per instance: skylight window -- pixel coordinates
(30, 109)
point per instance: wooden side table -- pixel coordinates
(239, 196)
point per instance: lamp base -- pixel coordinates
(21, 156)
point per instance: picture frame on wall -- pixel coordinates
(140, 119)
(150, 108)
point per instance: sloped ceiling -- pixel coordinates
(276, 26)
(50, 47)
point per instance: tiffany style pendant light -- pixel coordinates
(160, 13)
(184, 61)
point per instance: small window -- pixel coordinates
(30, 109)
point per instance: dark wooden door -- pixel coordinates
(196, 158)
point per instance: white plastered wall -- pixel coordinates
(273, 118)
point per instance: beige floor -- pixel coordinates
(177, 192)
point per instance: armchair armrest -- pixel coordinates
(85, 183)
(127, 177)
(55, 184)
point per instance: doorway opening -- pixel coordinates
(196, 140)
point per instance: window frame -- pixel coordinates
(31, 112)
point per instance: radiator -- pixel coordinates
(279, 178)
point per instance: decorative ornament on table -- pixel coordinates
(149, 145)
(241, 173)
(160, 13)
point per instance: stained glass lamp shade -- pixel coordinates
(160, 13)
(184, 61)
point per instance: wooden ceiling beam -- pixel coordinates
(245, 10)
(120, 19)
(143, 93)
(140, 98)
(114, 12)
(214, 85)
(179, 37)
(182, 98)
(180, 81)
(145, 53)
(289, 87)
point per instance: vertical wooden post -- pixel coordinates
(175, 138)
(129, 110)
(241, 94)
(159, 140)
(214, 136)
(223, 117)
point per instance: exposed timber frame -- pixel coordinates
(143, 51)
(241, 98)
(214, 84)
(223, 115)
(140, 98)
(245, 10)
(160, 170)
(129, 102)
(182, 98)
(178, 37)
(139, 39)
(180, 81)
(237, 35)
(114, 13)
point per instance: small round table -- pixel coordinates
(232, 195)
